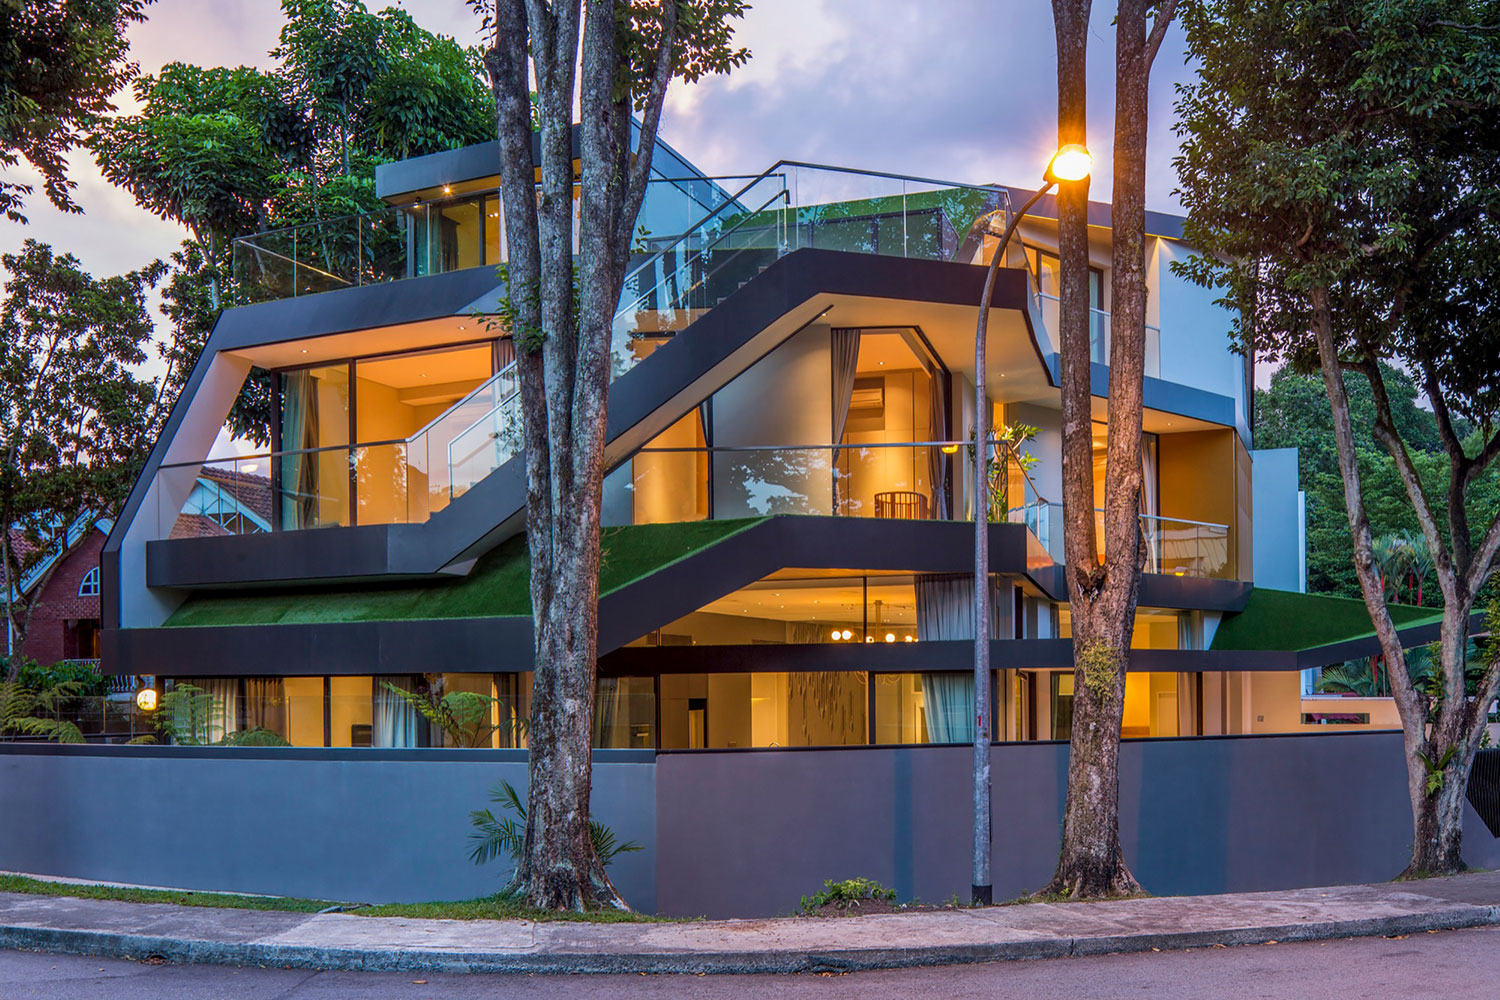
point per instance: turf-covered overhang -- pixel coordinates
(497, 587)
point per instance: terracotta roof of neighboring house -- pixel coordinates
(197, 526)
(250, 491)
(25, 548)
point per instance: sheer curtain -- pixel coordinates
(394, 720)
(945, 607)
(937, 429)
(1149, 504)
(948, 707)
(299, 471)
(224, 707)
(265, 704)
(945, 611)
(844, 361)
(606, 710)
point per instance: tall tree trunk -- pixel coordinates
(1102, 595)
(1439, 739)
(562, 321)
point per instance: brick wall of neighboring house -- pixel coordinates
(65, 626)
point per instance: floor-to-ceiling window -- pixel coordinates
(349, 443)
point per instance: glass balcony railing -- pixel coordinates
(788, 207)
(1099, 323)
(409, 241)
(1174, 546)
(378, 482)
(900, 480)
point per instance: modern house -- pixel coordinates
(789, 528)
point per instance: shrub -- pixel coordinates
(848, 893)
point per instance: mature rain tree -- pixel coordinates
(75, 418)
(1341, 167)
(60, 63)
(614, 59)
(1102, 593)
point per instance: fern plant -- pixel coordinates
(496, 837)
(37, 711)
(465, 717)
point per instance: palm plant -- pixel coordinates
(1418, 563)
(493, 837)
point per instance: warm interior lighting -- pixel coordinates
(869, 638)
(145, 699)
(890, 637)
(910, 639)
(848, 634)
(950, 449)
(1072, 163)
(837, 635)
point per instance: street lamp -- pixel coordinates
(1071, 163)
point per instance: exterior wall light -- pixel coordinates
(1071, 163)
(145, 699)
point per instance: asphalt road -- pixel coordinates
(1451, 965)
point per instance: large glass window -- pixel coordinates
(801, 606)
(887, 399)
(924, 708)
(826, 708)
(314, 467)
(625, 713)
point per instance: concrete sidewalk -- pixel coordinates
(1039, 930)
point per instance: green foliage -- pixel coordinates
(85, 678)
(1437, 771)
(187, 715)
(1294, 413)
(76, 417)
(850, 892)
(33, 707)
(467, 718)
(60, 63)
(496, 837)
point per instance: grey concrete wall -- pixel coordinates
(748, 833)
(370, 826)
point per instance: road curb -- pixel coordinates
(108, 944)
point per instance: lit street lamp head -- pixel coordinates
(1072, 163)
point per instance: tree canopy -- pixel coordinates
(76, 419)
(60, 63)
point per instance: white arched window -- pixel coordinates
(89, 585)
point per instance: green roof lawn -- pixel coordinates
(1283, 619)
(497, 587)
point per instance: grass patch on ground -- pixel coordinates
(498, 907)
(222, 900)
(495, 907)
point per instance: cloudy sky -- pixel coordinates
(953, 89)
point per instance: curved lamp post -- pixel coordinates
(1071, 163)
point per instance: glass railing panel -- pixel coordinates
(224, 497)
(382, 483)
(695, 271)
(485, 445)
(1099, 335)
(430, 472)
(1187, 548)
